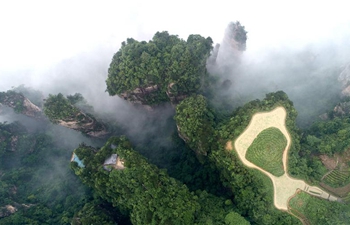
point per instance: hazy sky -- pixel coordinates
(37, 34)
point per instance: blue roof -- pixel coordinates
(76, 159)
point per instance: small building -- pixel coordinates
(113, 162)
(76, 159)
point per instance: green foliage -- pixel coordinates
(13, 100)
(148, 193)
(253, 191)
(239, 34)
(267, 149)
(79, 101)
(195, 123)
(57, 107)
(337, 178)
(319, 211)
(93, 213)
(35, 96)
(164, 61)
(234, 218)
(329, 137)
(35, 178)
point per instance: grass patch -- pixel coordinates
(337, 178)
(299, 202)
(267, 149)
(319, 211)
(346, 199)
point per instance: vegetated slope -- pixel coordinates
(318, 211)
(61, 110)
(253, 190)
(267, 149)
(36, 185)
(146, 192)
(195, 123)
(166, 68)
(327, 140)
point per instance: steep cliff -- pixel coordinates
(20, 104)
(61, 111)
(232, 46)
(164, 69)
(344, 79)
(195, 124)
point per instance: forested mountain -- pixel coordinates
(63, 162)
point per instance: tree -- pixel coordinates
(165, 67)
(145, 191)
(196, 124)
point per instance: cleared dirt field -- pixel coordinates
(284, 186)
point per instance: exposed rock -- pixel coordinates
(324, 116)
(181, 135)
(174, 98)
(85, 124)
(342, 109)
(199, 150)
(20, 104)
(344, 78)
(346, 91)
(232, 46)
(7, 210)
(140, 95)
(14, 140)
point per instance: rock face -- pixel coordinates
(20, 104)
(85, 124)
(7, 210)
(143, 96)
(174, 98)
(62, 111)
(232, 46)
(140, 95)
(344, 78)
(342, 109)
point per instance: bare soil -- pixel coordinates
(329, 162)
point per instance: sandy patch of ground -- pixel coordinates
(119, 164)
(284, 186)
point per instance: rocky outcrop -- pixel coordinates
(60, 110)
(232, 46)
(174, 98)
(7, 210)
(341, 109)
(152, 94)
(140, 95)
(20, 104)
(85, 124)
(344, 79)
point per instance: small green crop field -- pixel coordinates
(299, 202)
(267, 149)
(298, 205)
(313, 210)
(337, 178)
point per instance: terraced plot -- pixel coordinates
(267, 149)
(337, 178)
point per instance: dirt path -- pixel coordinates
(284, 186)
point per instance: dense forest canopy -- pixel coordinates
(165, 67)
(175, 168)
(151, 196)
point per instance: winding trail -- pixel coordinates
(284, 186)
